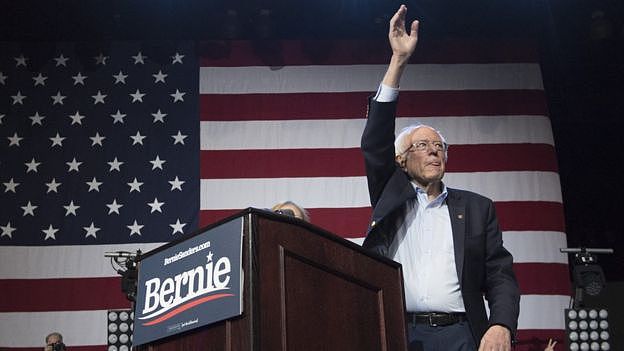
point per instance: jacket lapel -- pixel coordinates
(457, 211)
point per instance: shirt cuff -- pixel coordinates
(386, 94)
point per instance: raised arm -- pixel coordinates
(403, 45)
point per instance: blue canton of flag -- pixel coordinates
(99, 143)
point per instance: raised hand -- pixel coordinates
(402, 42)
(403, 45)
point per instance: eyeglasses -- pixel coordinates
(421, 145)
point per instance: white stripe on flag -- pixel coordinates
(346, 133)
(536, 246)
(351, 78)
(73, 261)
(542, 311)
(17, 328)
(330, 192)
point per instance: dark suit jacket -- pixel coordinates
(484, 266)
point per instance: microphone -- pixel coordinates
(586, 250)
(116, 254)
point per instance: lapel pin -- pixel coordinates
(460, 216)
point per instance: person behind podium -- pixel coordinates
(291, 209)
(447, 240)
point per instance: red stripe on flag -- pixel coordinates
(292, 106)
(353, 222)
(553, 278)
(349, 162)
(33, 295)
(502, 157)
(271, 163)
(350, 52)
(530, 215)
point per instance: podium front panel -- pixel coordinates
(325, 295)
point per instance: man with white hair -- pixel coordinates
(447, 240)
(54, 342)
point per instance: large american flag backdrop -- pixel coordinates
(126, 146)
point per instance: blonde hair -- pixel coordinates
(303, 211)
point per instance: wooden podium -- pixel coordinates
(304, 289)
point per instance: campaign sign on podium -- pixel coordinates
(190, 284)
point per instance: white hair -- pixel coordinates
(401, 140)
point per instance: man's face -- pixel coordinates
(424, 166)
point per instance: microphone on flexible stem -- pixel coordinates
(117, 254)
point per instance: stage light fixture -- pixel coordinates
(587, 275)
(120, 328)
(587, 329)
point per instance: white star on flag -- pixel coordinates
(176, 184)
(79, 79)
(10, 186)
(114, 207)
(18, 98)
(50, 233)
(160, 77)
(137, 138)
(57, 140)
(100, 59)
(177, 227)
(135, 185)
(14, 140)
(58, 98)
(114, 165)
(36, 119)
(179, 138)
(98, 98)
(94, 185)
(7, 230)
(71, 208)
(32, 165)
(135, 228)
(137, 96)
(155, 205)
(120, 77)
(91, 230)
(138, 58)
(20, 61)
(76, 118)
(118, 117)
(97, 139)
(61, 60)
(159, 116)
(73, 165)
(177, 96)
(157, 163)
(177, 58)
(52, 186)
(29, 209)
(40, 79)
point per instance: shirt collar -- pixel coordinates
(422, 196)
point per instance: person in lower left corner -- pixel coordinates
(54, 342)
